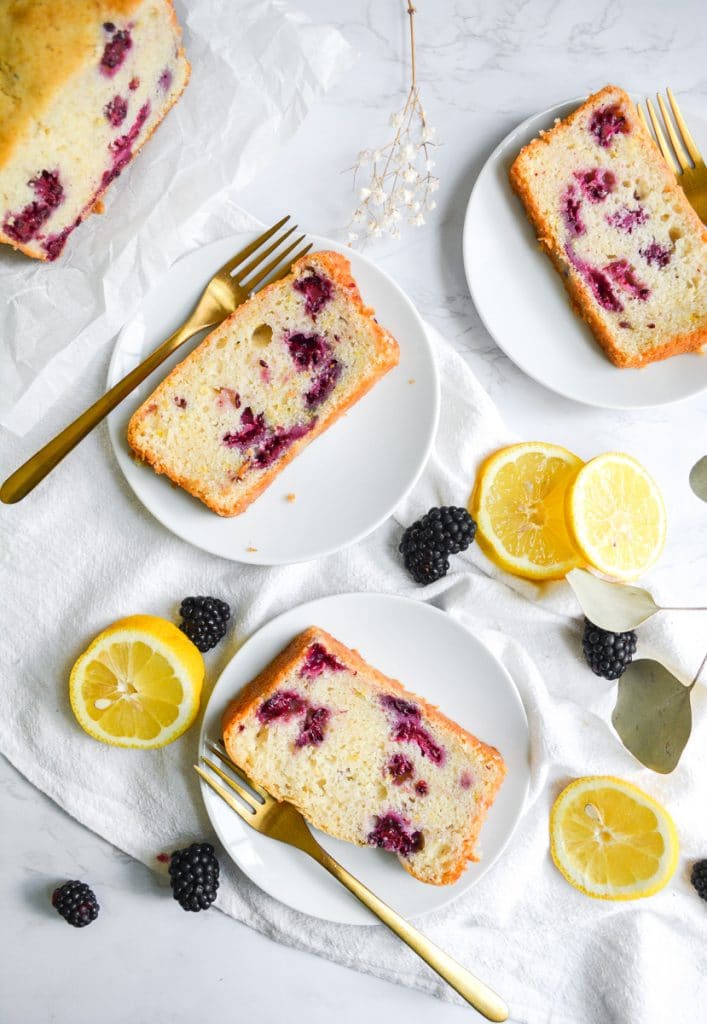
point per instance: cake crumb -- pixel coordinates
(411, 381)
(291, 497)
(251, 549)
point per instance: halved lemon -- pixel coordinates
(519, 506)
(138, 684)
(611, 840)
(616, 516)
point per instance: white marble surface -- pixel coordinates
(483, 67)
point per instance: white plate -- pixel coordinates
(346, 483)
(434, 656)
(523, 304)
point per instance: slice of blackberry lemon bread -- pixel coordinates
(608, 211)
(263, 385)
(82, 86)
(363, 759)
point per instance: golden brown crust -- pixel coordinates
(271, 678)
(580, 295)
(338, 269)
(66, 43)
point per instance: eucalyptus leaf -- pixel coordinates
(613, 606)
(653, 716)
(698, 478)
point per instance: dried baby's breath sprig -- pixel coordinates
(400, 181)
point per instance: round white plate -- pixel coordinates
(524, 306)
(347, 482)
(435, 657)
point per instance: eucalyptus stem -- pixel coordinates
(699, 670)
(681, 608)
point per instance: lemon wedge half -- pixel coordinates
(138, 684)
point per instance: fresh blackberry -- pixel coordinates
(423, 553)
(205, 620)
(458, 528)
(76, 903)
(194, 876)
(608, 654)
(699, 878)
(426, 545)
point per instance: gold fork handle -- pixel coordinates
(25, 479)
(479, 995)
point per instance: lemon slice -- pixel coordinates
(519, 506)
(138, 684)
(611, 840)
(616, 516)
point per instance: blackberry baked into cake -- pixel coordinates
(363, 759)
(268, 380)
(608, 211)
(83, 84)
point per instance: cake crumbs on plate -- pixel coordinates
(290, 497)
(411, 380)
(251, 549)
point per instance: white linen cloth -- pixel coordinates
(81, 552)
(257, 68)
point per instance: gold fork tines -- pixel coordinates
(681, 153)
(280, 820)
(229, 287)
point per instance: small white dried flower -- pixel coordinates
(398, 172)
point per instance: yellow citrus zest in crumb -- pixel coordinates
(138, 684)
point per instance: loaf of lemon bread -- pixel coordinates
(608, 211)
(82, 87)
(362, 758)
(263, 385)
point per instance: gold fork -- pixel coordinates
(692, 177)
(230, 286)
(281, 821)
